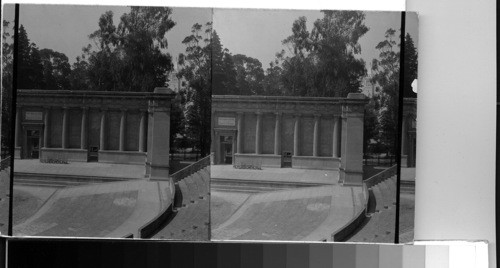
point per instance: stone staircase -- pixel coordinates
(190, 217)
(380, 219)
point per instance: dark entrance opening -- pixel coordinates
(286, 159)
(33, 144)
(226, 149)
(93, 155)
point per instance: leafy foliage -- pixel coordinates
(386, 75)
(410, 67)
(323, 61)
(130, 57)
(196, 70)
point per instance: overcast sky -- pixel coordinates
(255, 33)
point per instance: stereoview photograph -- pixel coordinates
(108, 137)
(305, 125)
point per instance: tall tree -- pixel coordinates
(30, 68)
(131, 57)
(324, 61)
(6, 94)
(385, 72)
(249, 75)
(272, 84)
(223, 68)
(410, 66)
(56, 69)
(196, 69)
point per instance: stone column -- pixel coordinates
(351, 165)
(123, 130)
(258, 134)
(65, 128)
(239, 137)
(296, 138)
(336, 137)
(83, 129)
(277, 135)
(17, 130)
(142, 132)
(102, 137)
(159, 127)
(46, 127)
(316, 135)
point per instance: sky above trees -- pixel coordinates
(255, 33)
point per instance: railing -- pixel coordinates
(379, 177)
(379, 161)
(181, 174)
(5, 163)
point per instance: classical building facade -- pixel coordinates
(100, 126)
(297, 132)
(409, 131)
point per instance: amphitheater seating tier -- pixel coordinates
(379, 225)
(191, 221)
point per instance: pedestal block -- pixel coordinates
(351, 165)
(159, 131)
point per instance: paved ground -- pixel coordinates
(275, 174)
(80, 168)
(407, 208)
(309, 214)
(223, 205)
(102, 210)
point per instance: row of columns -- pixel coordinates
(296, 135)
(83, 129)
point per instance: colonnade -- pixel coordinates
(296, 135)
(103, 139)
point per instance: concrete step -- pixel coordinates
(256, 186)
(75, 178)
(245, 189)
(42, 184)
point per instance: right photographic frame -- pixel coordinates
(311, 125)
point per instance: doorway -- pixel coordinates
(226, 149)
(32, 144)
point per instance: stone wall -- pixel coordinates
(112, 123)
(306, 129)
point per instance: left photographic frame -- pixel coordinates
(107, 141)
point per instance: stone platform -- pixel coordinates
(90, 169)
(275, 174)
(309, 213)
(112, 209)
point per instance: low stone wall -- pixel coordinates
(312, 162)
(257, 160)
(122, 157)
(345, 232)
(152, 227)
(70, 155)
